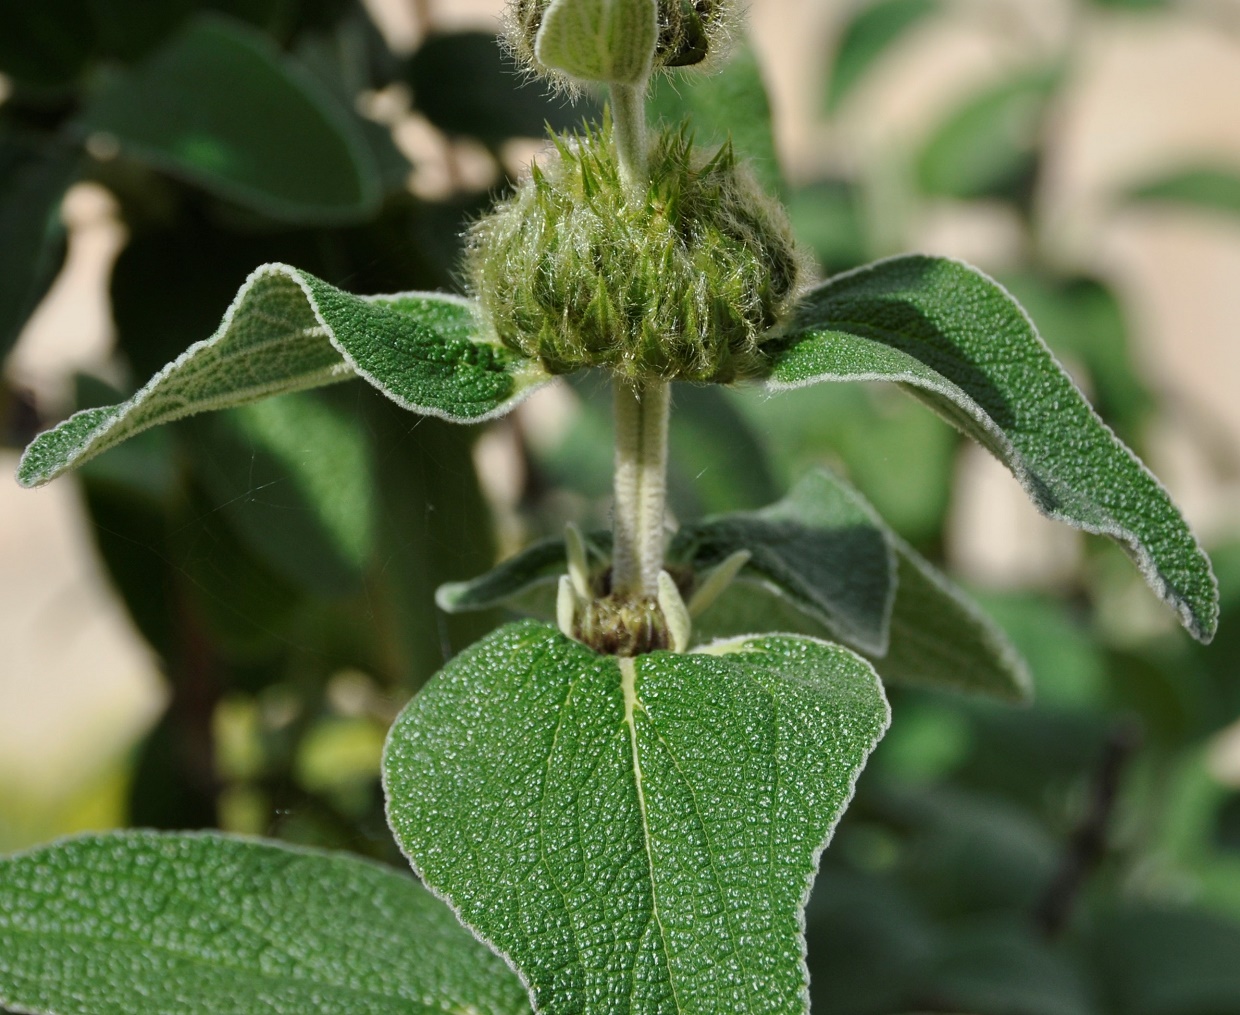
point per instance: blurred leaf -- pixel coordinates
(732, 102)
(857, 924)
(1204, 189)
(287, 331)
(294, 476)
(45, 43)
(34, 175)
(1135, 5)
(1002, 967)
(988, 147)
(716, 462)
(957, 340)
(1168, 962)
(897, 453)
(1082, 319)
(872, 30)
(829, 219)
(465, 85)
(140, 922)
(219, 106)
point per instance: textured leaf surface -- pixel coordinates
(824, 564)
(635, 835)
(141, 922)
(958, 341)
(599, 40)
(874, 29)
(288, 330)
(822, 547)
(218, 105)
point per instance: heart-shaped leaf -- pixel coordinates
(287, 331)
(599, 40)
(634, 834)
(142, 923)
(955, 338)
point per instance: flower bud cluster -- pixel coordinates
(691, 33)
(682, 282)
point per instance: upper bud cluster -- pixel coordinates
(681, 283)
(689, 32)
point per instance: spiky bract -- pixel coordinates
(681, 282)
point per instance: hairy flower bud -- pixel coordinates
(691, 32)
(683, 283)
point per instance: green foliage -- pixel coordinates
(220, 107)
(958, 341)
(140, 922)
(1205, 188)
(634, 833)
(287, 331)
(872, 30)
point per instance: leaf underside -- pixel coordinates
(288, 331)
(143, 923)
(824, 564)
(634, 835)
(599, 40)
(955, 339)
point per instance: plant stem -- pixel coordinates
(641, 411)
(628, 117)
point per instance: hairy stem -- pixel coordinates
(628, 115)
(641, 411)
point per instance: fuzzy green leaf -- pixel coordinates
(142, 923)
(634, 834)
(599, 40)
(955, 338)
(822, 547)
(220, 106)
(287, 331)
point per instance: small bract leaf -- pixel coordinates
(823, 547)
(634, 834)
(600, 40)
(955, 338)
(142, 923)
(287, 331)
(220, 106)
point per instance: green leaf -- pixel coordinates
(730, 103)
(219, 106)
(822, 547)
(873, 29)
(287, 331)
(829, 218)
(989, 146)
(634, 834)
(140, 922)
(34, 175)
(954, 338)
(464, 85)
(47, 43)
(1204, 188)
(824, 564)
(612, 41)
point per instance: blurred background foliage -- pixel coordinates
(1078, 856)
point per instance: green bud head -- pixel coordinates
(683, 282)
(691, 32)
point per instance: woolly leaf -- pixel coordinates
(139, 922)
(288, 330)
(634, 834)
(599, 40)
(955, 338)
